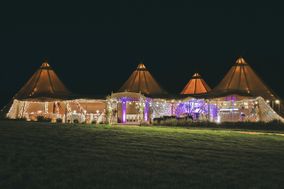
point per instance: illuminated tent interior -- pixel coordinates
(241, 79)
(142, 81)
(86, 110)
(131, 107)
(196, 85)
(236, 108)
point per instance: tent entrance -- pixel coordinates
(128, 112)
(128, 107)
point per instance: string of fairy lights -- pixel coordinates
(148, 108)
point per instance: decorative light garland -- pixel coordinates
(157, 107)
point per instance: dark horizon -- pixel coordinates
(94, 48)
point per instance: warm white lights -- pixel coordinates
(229, 109)
(218, 119)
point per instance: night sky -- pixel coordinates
(95, 47)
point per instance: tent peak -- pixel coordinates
(196, 86)
(196, 75)
(241, 60)
(141, 81)
(45, 63)
(141, 66)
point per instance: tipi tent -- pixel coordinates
(196, 86)
(42, 95)
(142, 81)
(241, 79)
(44, 83)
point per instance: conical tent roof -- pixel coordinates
(142, 81)
(196, 86)
(241, 79)
(44, 83)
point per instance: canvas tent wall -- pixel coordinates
(31, 109)
(76, 110)
(142, 81)
(195, 86)
(86, 110)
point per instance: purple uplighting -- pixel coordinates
(146, 110)
(231, 98)
(123, 105)
(213, 111)
(191, 107)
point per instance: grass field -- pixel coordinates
(42, 155)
